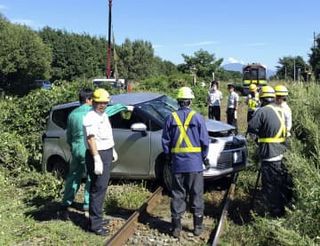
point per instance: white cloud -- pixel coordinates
(202, 43)
(3, 7)
(26, 22)
(234, 60)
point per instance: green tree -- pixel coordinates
(291, 67)
(203, 63)
(23, 57)
(74, 55)
(314, 58)
(136, 59)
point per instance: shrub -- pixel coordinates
(13, 154)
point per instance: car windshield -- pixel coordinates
(160, 108)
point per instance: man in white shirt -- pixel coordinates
(99, 143)
(232, 106)
(281, 100)
(214, 101)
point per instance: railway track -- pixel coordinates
(128, 229)
(216, 233)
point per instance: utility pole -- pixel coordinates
(108, 66)
(294, 69)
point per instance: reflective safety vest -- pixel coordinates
(280, 137)
(183, 135)
(253, 102)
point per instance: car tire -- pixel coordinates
(60, 169)
(163, 174)
(167, 177)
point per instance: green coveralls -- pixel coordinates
(75, 140)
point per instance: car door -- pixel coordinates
(133, 148)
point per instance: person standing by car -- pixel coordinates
(232, 106)
(214, 101)
(75, 139)
(99, 143)
(77, 167)
(268, 124)
(252, 101)
(185, 142)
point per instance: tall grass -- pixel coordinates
(301, 225)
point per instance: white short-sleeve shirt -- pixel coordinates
(99, 126)
(233, 99)
(214, 98)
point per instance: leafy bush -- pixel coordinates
(27, 116)
(13, 153)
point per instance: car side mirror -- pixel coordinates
(139, 127)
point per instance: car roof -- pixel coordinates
(126, 99)
(134, 98)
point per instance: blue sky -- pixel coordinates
(238, 31)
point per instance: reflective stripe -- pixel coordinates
(253, 102)
(280, 137)
(183, 135)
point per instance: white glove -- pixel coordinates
(114, 155)
(235, 114)
(98, 165)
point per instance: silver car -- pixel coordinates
(137, 136)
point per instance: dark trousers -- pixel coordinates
(98, 187)
(214, 112)
(231, 120)
(249, 115)
(277, 186)
(185, 184)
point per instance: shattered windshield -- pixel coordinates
(160, 108)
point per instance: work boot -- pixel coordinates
(176, 223)
(64, 213)
(197, 224)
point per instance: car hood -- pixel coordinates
(218, 126)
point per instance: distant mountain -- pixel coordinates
(237, 67)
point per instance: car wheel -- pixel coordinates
(60, 169)
(163, 174)
(167, 177)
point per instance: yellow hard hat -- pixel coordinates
(267, 92)
(185, 93)
(252, 87)
(101, 95)
(281, 90)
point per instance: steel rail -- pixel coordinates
(124, 233)
(227, 199)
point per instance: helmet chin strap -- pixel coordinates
(184, 103)
(266, 101)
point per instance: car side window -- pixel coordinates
(60, 116)
(124, 119)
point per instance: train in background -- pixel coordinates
(254, 73)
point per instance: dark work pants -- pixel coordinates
(276, 186)
(184, 184)
(98, 187)
(249, 115)
(231, 120)
(214, 112)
